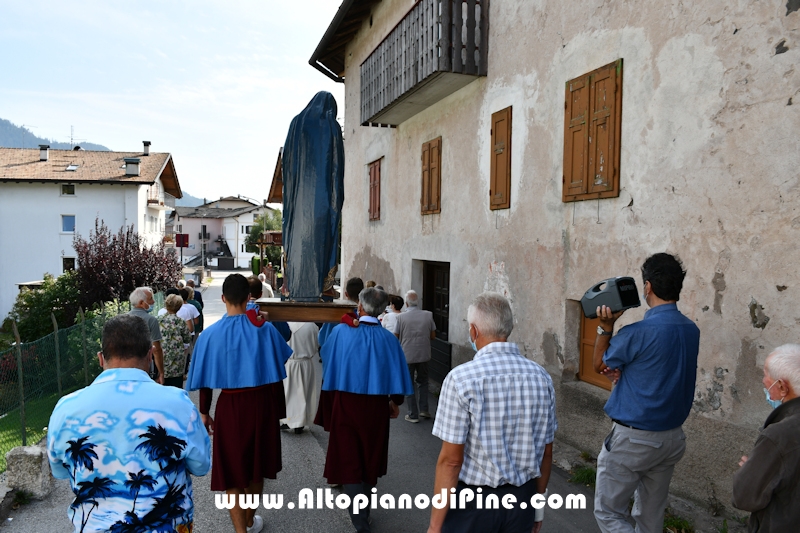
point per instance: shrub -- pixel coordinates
(270, 222)
(33, 306)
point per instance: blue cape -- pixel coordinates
(232, 353)
(364, 360)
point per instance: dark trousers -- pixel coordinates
(501, 520)
(360, 520)
(174, 382)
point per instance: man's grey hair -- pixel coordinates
(412, 298)
(373, 301)
(491, 314)
(181, 284)
(139, 295)
(784, 363)
(262, 277)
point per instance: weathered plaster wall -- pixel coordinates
(709, 170)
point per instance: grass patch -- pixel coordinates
(37, 416)
(584, 475)
(586, 456)
(676, 524)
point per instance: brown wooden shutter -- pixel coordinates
(375, 190)
(592, 133)
(436, 176)
(500, 182)
(604, 129)
(425, 199)
(430, 199)
(576, 135)
(586, 369)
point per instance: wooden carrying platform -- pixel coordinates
(304, 311)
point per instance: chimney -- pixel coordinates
(146, 147)
(44, 152)
(131, 166)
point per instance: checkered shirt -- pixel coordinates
(502, 407)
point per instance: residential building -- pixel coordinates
(49, 196)
(534, 148)
(217, 231)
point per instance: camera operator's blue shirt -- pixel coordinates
(658, 360)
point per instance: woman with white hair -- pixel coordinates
(768, 482)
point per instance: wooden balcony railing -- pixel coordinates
(437, 48)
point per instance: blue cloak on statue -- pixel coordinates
(313, 193)
(364, 360)
(232, 353)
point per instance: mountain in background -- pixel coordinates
(13, 136)
(188, 200)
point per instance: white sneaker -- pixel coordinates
(424, 414)
(412, 420)
(258, 525)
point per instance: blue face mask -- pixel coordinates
(772, 403)
(150, 309)
(472, 343)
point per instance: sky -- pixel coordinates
(214, 83)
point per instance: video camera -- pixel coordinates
(618, 294)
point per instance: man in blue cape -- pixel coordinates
(245, 358)
(365, 379)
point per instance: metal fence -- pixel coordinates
(35, 375)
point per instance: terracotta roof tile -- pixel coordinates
(22, 164)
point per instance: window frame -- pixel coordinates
(74, 224)
(68, 195)
(603, 126)
(74, 264)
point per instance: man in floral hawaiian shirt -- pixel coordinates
(127, 444)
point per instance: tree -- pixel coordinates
(110, 265)
(32, 308)
(271, 221)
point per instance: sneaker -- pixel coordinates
(258, 525)
(425, 414)
(412, 420)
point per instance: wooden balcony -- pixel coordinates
(436, 49)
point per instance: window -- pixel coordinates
(243, 248)
(500, 182)
(68, 223)
(592, 132)
(67, 189)
(431, 177)
(586, 369)
(67, 264)
(375, 190)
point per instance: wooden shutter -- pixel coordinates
(576, 138)
(586, 369)
(603, 130)
(500, 182)
(430, 199)
(592, 133)
(375, 190)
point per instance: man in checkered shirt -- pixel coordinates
(497, 420)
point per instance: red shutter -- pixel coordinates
(500, 182)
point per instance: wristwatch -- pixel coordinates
(601, 331)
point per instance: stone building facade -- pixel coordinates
(707, 163)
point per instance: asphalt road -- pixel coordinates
(413, 452)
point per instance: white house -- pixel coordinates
(48, 196)
(536, 147)
(217, 231)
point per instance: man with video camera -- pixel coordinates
(654, 365)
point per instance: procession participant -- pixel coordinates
(246, 361)
(364, 380)
(300, 385)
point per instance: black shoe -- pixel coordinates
(298, 430)
(284, 427)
